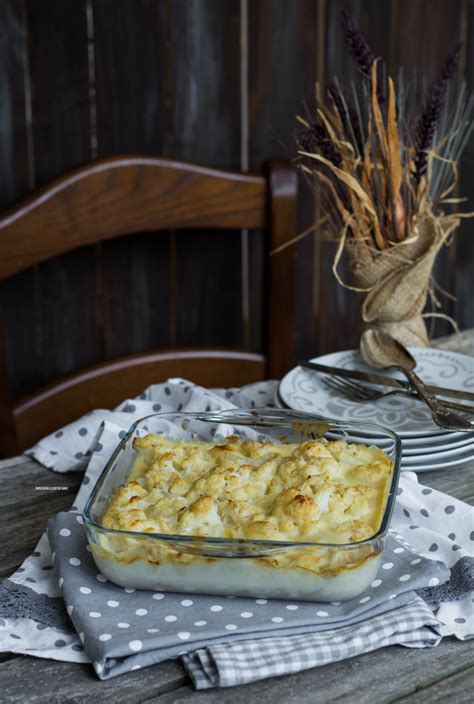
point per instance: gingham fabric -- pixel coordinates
(247, 661)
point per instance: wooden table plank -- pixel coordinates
(455, 481)
(26, 509)
(51, 681)
(457, 688)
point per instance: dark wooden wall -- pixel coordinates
(216, 81)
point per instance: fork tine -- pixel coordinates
(341, 386)
(359, 388)
(333, 383)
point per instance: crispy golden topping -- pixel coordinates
(331, 492)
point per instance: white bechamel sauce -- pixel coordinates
(241, 577)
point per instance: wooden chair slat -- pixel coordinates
(281, 267)
(123, 195)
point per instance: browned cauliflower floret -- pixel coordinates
(239, 512)
(353, 531)
(201, 518)
(264, 529)
(313, 450)
(147, 446)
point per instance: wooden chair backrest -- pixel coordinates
(123, 195)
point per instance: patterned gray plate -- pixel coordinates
(429, 463)
(437, 448)
(458, 453)
(303, 390)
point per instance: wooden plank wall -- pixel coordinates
(215, 81)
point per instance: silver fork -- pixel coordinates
(365, 394)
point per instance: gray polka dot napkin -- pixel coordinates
(123, 628)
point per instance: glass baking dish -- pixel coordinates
(228, 566)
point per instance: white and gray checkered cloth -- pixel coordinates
(227, 665)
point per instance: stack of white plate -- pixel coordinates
(425, 445)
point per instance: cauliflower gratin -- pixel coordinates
(314, 492)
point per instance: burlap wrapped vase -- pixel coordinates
(395, 281)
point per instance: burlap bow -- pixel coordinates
(396, 281)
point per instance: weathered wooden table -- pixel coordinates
(386, 675)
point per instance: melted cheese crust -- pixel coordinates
(325, 492)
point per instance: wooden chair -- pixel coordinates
(122, 195)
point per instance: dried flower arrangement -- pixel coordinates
(383, 179)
